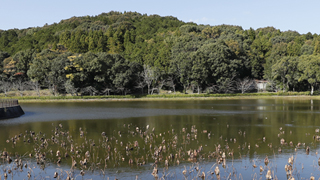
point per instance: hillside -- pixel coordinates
(127, 52)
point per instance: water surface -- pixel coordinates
(250, 129)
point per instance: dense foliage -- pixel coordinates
(127, 52)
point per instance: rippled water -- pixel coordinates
(233, 124)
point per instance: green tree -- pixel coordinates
(257, 65)
(40, 66)
(293, 49)
(316, 50)
(252, 34)
(3, 56)
(24, 59)
(182, 50)
(56, 76)
(123, 73)
(222, 61)
(200, 69)
(91, 70)
(310, 68)
(306, 49)
(44, 69)
(262, 46)
(278, 51)
(285, 71)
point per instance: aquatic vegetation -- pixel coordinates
(173, 154)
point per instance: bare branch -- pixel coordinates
(91, 90)
(70, 88)
(5, 87)
(140, 82)
(19, 85)
(148, 76)
(34, 85)
(245, 84)
(171, 83)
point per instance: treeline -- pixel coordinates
(129, 52)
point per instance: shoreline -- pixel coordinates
(293, 97)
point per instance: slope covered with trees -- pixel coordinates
(137, 53)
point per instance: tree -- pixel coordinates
(211, 32)
(77, 42)
(148, 76)
(262, 46)
(20, 85)
(278, 51)
(24, 59)
(40, 65)
(107, 90)
(5, 87)
(140, 83)
(310, 68)
(45, 68)
(257, 65)
(286, 69)
(171, 83)
(3, 56)
(182, 51)
(196, 56)
(69, 87)
(306, 49)
(159, 79)
(90, 69)
(160, 83)
(200, 70)
(56, 77)
(278, 39)
(226, 86)
(89, 90)
(9, 67)
(252, 34)
(123, 73)
(245, 84)
(316, 50)
(293, 49)
(34, 85)
(222, 62)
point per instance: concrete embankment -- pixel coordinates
(10, 109)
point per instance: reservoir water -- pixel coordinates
(181, 139)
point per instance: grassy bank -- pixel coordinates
(178, 96)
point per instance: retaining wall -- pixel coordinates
(10, 109)
(11, 112)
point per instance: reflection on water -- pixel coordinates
(250, 129)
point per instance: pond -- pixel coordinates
(170, 139)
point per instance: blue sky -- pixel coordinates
(301, 16)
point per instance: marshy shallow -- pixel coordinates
(163, 139)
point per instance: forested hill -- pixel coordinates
(126, 52)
